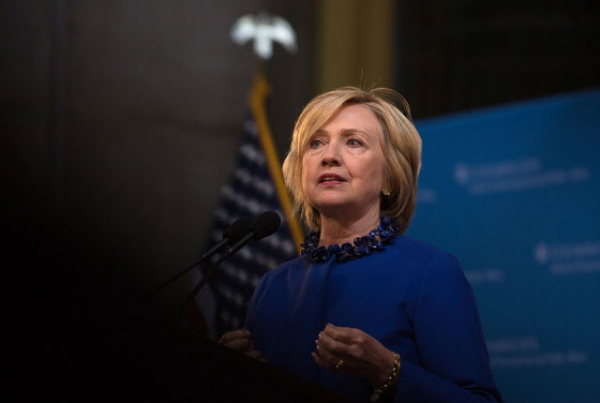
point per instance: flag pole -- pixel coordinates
(258, 94)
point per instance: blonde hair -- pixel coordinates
(401, 146)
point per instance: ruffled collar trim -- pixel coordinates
(375, 241)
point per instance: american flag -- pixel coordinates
(255, 186)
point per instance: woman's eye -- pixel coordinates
(315, 143)
(354, 142)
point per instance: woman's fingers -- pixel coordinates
(351, 351)
(235, 334)
(242, 345)
(331, 353)
(335, 340)
(239, 340)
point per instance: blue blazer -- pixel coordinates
(412, 297)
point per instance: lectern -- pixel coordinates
(146, 360)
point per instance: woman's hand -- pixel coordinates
(353, 352)
(240, 340)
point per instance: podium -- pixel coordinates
(228, 376)
(146, 359)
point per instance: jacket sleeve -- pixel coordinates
(453, 359)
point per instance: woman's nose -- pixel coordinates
(331, 156)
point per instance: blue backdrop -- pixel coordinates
(514, 193)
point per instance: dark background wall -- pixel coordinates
(460, 55)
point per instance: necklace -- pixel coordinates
(373, 242)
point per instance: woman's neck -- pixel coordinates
(344, 230)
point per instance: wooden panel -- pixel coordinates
(456, 56)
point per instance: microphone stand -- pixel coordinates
(196, 262)
(233, 233)
(210, 273)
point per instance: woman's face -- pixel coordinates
(343, 164)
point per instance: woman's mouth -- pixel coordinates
(330, 178)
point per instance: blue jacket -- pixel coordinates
(410, 296)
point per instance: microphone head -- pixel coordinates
(237, 230)
(264, 225)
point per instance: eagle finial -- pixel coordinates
(264, 29)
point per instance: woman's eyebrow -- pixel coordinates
(345, 131)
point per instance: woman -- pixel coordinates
(365, 311)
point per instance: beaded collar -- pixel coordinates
(373, 242)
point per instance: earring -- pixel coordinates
(386, 191)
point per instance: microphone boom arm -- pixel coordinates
(211, 272)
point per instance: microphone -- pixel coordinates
(261, 227)
(233, 234)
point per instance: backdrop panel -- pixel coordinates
(514, 193)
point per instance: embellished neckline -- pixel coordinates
(375, 241)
